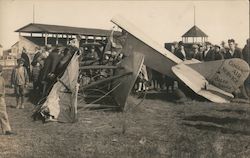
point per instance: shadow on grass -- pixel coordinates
(220, 121)
(219, 129)
(161, 95)
(241, 112)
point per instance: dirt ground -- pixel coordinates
(154, 129)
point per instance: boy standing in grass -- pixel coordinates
(19, 80)
(4, 121)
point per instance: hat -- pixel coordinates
(180, 43)
(195, 46)
(208, 43)
(217, 46)
(1, 68)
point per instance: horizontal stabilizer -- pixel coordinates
(195, 81)
(227, 75)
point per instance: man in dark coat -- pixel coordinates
(208, 54)
(48, 76)
(246, 52)
(181, 53)
(26, 59)
(217, 53)
(197, 54)
(246, 57)
(233, 51)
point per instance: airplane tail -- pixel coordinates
(228, 75)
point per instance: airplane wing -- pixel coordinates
(155, 56)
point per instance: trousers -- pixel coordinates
(4, 121)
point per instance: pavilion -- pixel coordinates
(194, 35)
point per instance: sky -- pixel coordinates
(163, 21)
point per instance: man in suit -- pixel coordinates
(217, 53)
(233, 51)
(197, 54)
(181, 53)
(208, 54)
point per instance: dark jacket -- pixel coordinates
(198, 56)
(246, 53)
(237, 54)
(50, 64)
(209, 56)
(218, 56)
(179, 54)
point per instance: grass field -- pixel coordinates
(154, 129)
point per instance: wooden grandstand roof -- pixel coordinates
(58, 29)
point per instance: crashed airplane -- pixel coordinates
(215, 80)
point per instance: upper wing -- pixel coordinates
(155, 56)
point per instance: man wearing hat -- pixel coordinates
(4, 121)
(19, 80)
(208, 54)
(197, 54)
(217, 53)
(181, 53)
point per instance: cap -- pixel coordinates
(208, 43)
(217, 46)
(180, 43)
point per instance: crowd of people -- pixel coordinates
(210, 52)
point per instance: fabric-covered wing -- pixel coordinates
(62, 99)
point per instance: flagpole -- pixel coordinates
(194, 15)
(33, 13)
